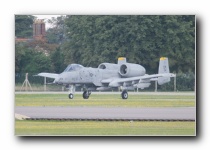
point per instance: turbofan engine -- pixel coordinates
(131, 70)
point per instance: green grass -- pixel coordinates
(105, 100)
(104, 128)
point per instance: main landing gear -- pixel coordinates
(86, 94)
(124, 94)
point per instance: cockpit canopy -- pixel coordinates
(73, 67)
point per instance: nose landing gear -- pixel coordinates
(72, 91)
(71, 96)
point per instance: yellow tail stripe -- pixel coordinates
(163, 58)
(121, 58)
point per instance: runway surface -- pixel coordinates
(108, 113)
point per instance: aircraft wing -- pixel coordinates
(140, 81)
(49, 75)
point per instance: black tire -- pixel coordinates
(71, 96)
(124, 94)
(85, 95)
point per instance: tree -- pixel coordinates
(38, 63)
(57, 59)
(56, 34)
(24, 26)
(19, 54)
(29, 60)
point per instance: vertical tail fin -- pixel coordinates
(121, 60)
(163, 68)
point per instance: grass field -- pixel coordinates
(105, 100)
(104, 128)
(141, 128)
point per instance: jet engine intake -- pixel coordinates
(131, 70)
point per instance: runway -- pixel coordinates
(108, 113)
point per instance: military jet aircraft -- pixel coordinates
(128, 76)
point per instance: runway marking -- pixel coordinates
(21, 117)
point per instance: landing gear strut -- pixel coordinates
(86, 94)
(124, 94)
(72, 91)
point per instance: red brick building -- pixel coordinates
(39, 32)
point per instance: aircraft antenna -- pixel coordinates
(26, 84)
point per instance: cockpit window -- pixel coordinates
(73, 67)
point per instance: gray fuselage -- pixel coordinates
(87, 76)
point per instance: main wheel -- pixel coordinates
(71, 96)
(85, 95)
(124, 94)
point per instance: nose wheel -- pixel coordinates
(71, 90)
(71, 96)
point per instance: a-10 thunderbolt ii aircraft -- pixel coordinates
(127, 76)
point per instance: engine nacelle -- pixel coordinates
(109, 66)
(131, 70)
